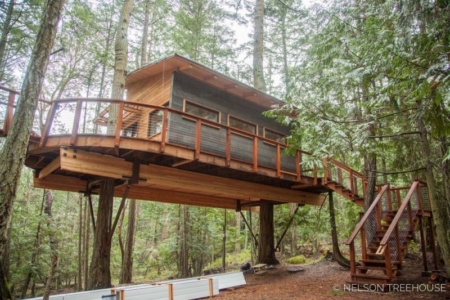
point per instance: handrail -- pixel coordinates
(346, 168)
(366, 215)
(397, 217)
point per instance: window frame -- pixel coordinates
(243, 121)
(282, 140)
(218, 112)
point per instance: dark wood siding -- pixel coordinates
(182, 131)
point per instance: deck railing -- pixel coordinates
(76, 117)
(344, 175)
(7, 106)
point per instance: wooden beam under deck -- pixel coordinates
(179, 180)
(73, 184)
(54, 165)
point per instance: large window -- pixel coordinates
(242, 125)
(201, 111)
(274, 136)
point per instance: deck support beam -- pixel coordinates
(180, 180)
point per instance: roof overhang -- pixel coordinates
(181, 64)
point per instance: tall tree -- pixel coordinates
(15, 147)
(258, 46)
(99, 272)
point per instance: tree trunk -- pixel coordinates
(87, 229)
(80, 243)
(144, 43)
(266, 235)
(337, 255)
(258, 47)
(99, 271)
(292, 208)
(439, 206)
(237, 246)
(53, 245)
(16, 143)
(4, 38)
(127, 261)
(224, 241)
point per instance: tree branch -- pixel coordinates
(393, 135)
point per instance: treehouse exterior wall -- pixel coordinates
(213, 139)
(174, 87)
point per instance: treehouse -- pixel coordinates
(187, 134)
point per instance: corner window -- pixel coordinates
(274, 136)
(242, 125)
(201, 111)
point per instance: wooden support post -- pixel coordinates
(48, 124)
(91, 209)
(287, 227)
(423, 244)
(352, 258)
(165, 123)
(170, 285)
(387, 260)
(135, 174)
(238, 206)
(255, 154)
(228, 148)
(198, 139)
(76, 122)
(119, 211)
(249, 228)
(352, 184)
(432, 243)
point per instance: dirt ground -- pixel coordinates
(325, 280)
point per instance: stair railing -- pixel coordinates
(368, 226)
(344, 175)
(7, 105)
(391, 246)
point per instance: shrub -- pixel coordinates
(296, 260)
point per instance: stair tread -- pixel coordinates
(376, 261)
(373, 276)
(374, 268)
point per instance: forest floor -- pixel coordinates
(325, 279)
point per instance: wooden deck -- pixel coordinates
(73, 153)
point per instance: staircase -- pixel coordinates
(387, 226)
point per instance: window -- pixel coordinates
(155, 119)
(201, 111)
(274, 136)
(242, 125)
(131, 131)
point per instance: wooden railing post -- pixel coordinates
(76, 122)
(119, 125)
(198, 138)
(298, 165)
(387, 260)
(228, 148)
(278, 160)
(352, 184)
(9, 112)
(352, 258)
(165, 121)
(255, 154)
(48, 124)
(325, 170)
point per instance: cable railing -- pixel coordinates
(394, 241)
(368, 226)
